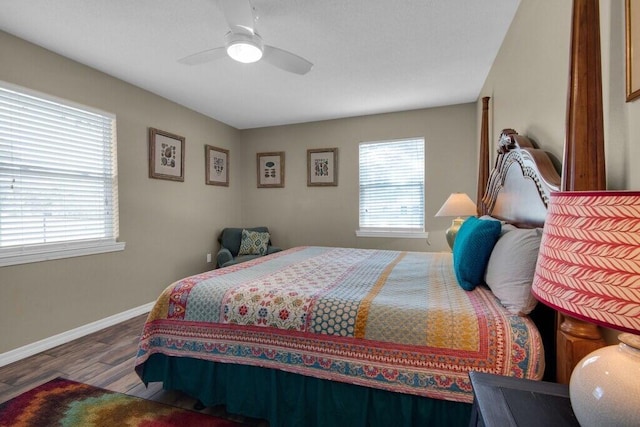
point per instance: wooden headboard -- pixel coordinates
(517, 191)
(521, 181)
(583, 165)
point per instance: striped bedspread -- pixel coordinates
(391, 320)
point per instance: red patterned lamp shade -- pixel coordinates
(589, 260)
(589, 268)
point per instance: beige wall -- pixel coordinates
(529, 80)
(328, 216)
(168, 226)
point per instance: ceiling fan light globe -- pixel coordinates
(244, 48)
(244, 52)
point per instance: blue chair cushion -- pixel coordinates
(471, 250)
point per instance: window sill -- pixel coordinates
(394, 234)
(37, 253)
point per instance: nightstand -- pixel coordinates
(506, 401)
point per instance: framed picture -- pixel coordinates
(216, 166)
(270, 170)
(166, 155)
(322, 167)
(632, 16)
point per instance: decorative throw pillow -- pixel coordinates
(472, 249)
(505, 227)
(253, 243)
(511, 269)
(490, 218)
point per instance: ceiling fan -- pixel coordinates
(245, 45)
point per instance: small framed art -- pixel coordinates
(216, 166)
(270, 170)
(632, 17)
(322, 167)
(166, 155)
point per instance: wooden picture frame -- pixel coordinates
(216, 164)
(632, 18)
(270, 169)
(322, 167)
(166, 155)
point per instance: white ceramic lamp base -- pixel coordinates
(605, 386)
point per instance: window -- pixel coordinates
(392, 188)
(58, 178)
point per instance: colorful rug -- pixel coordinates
(62, 402)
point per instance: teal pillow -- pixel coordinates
(471, 250)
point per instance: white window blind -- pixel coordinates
(58, 188)
(392, 186)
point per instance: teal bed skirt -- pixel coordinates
(287, 399)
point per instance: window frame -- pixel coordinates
(394, 232)
(29, 253)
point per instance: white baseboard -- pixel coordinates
(54, 341)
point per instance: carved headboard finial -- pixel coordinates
(506, 142)
(510, 139)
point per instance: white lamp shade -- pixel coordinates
(458, 204)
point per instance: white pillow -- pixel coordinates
(511, 267)
(506, 228)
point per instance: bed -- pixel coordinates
(328, 355)
(343, 336)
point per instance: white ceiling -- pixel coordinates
(369, 56)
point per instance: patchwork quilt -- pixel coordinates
(392, 320)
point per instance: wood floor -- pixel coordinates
(103, 359)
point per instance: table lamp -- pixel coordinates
(458, 205)
(589, 268)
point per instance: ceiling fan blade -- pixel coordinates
(204, 56)
(239, 15)
(286, 60)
